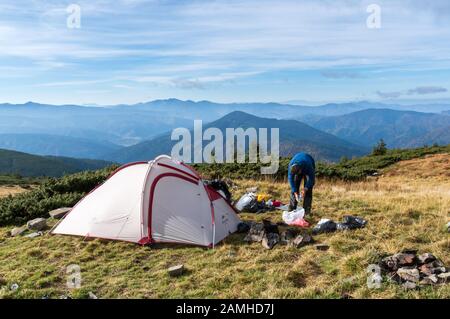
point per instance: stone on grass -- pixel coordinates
(60, 212)
(445, 276)
(176, 271)
(429, 280)
(409, 285)
(426, 258)
(301, 240)
(322, 247)
(34, 235)
(270, 240)
(17, 231)
(92, 295)
(37, 224)
(3, 281)
(405, 259)
(409, 274)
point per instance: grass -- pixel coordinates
(406, 207)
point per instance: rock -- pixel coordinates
(92, 295)
(429, 280)
(322, 247)
(3, 281)
(270, 240)
(301, 240)
(444, 277)
(256, 233)
(37, 224)
(176, 271)
(434, 267)
(409, 285)
(17, 231)
(426, 258)
(287, 236)
(405, 259)
(60, 212)
(34, 235)
(409, 274)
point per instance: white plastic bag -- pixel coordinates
(291, 217)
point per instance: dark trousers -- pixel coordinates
(307, 200)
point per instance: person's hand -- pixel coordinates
(296, 196)
(303, 192)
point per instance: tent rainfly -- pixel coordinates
(161, 201)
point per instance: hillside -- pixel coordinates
(398, 128)
(56, 145)
(12, 162)
(294, 137)
(400, 215)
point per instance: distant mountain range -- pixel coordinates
(56, 145)
(130, 124)
(294, 137)
(127, 132)
(12, 162)
(399, 129)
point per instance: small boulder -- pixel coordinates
(270, 240)
(301, 240)
(91, 295)
(37, 224)
(176, 271)
(444, 277)
(60, 212)
(34, 235)
(429, 280)
(3, 281)
(409, 285)
(405, 259)
(287, 236)
(426, 258)
(17, 231)
(409, 274)
(256, 233)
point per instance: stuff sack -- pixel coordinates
(247, 203)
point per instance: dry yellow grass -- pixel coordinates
(405, 208)
(10, 190)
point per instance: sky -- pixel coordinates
(310, 52)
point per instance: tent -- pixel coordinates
(163, 200)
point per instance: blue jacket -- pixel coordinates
(308, 167)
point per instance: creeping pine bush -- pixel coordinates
(51, 194)
(348, 169)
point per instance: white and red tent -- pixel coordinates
(151, 202)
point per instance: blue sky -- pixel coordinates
(129, 51)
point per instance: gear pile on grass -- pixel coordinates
(410, 270)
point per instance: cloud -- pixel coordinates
(389, 95)
(341, 75)
(422, 90)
